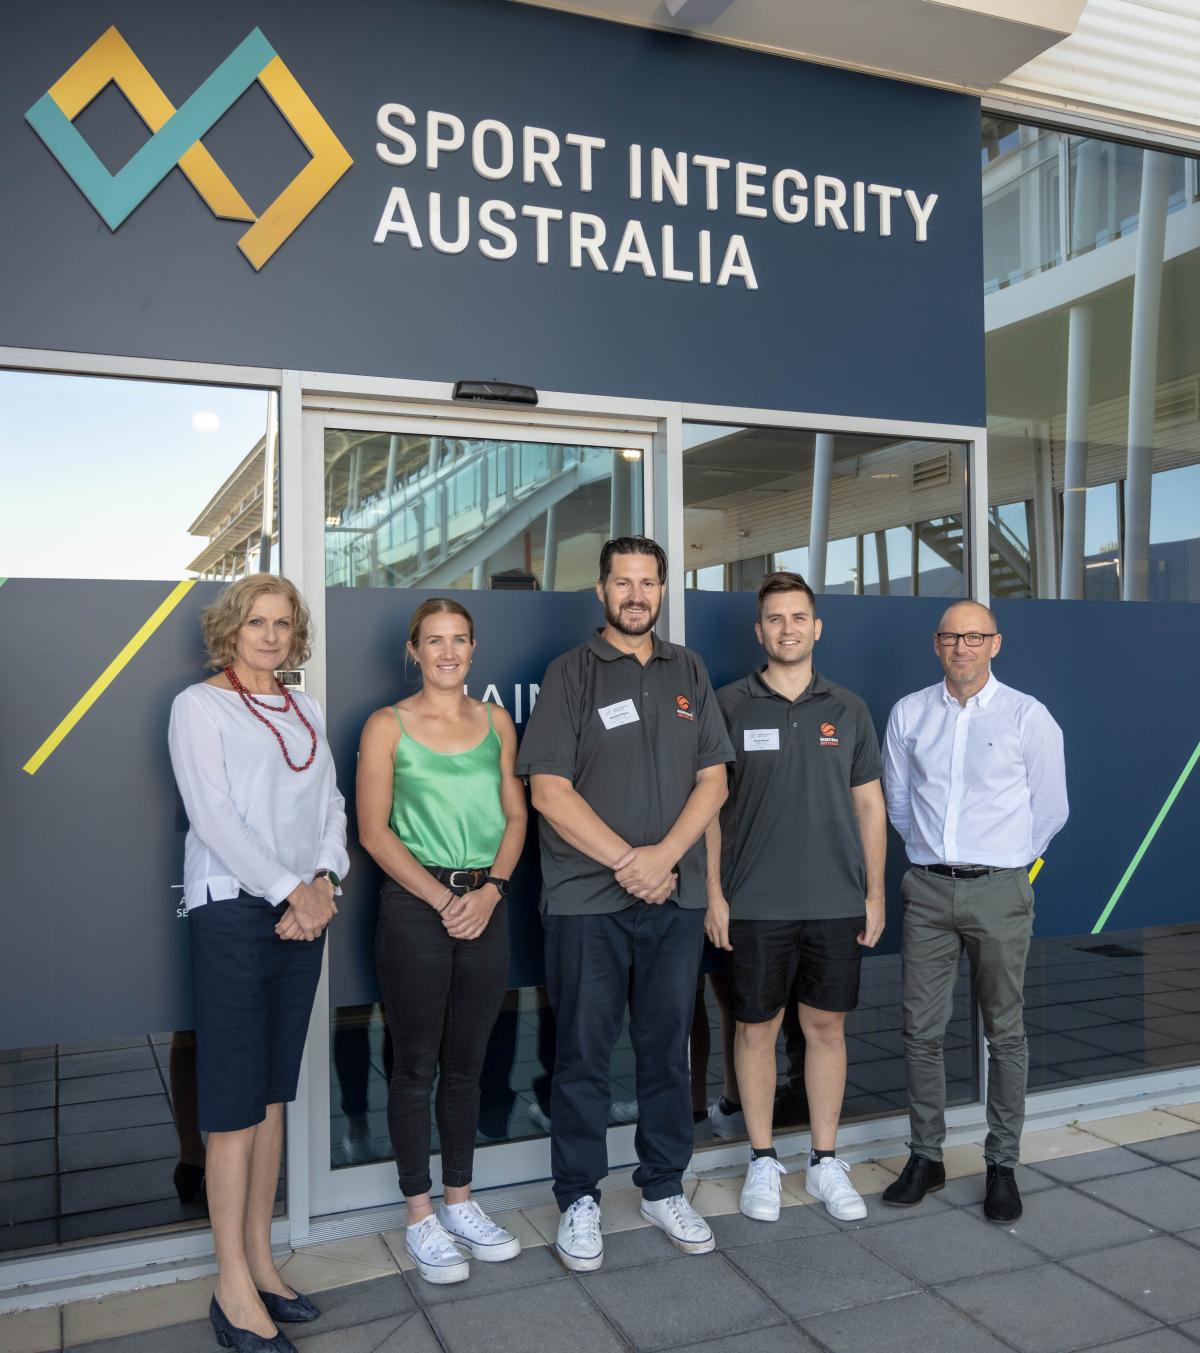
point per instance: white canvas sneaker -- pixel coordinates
(726, 1124)
(685, 1228)
(469, 1225)
(829, 1180)
(762, 1191)
(580, 1245)
(434, 1253)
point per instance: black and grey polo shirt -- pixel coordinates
(790, 845)
(631, 739)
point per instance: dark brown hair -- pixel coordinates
(632, 545)
(783, 581)
(438, 606)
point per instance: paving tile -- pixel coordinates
(413, 1335)
(194, 1337)
(309, 1272)
(1161, 1196)
(94, 1150)
(103, 1044)
(1062, 1222)
(370, 1251)
(115, 1114)
(1191, 1167)
(394, 1240)
(631, 1249)
(811, 1275)
(118, 1186)
(130, 1312)
(1170, 1150)
(1054, 1143)
(774, 1339)
(733, 1229)
(28, 1200)
(1160, 1275)
(526, 1270)
(24, 1160)
(1105, 1164)
(1156, 1341)
(26, 1072)
(959, 1160)
(1045, 1309)
(360, 1303)
(1187, 1110)
(34, 1095)
(31, 1331)
(684, 1302)
(911, 1324)
(365, 1338)
(880, 1213)
(516, 1322)
(121, 1085)
(139, 1058)
(1138, 1127)
(941, 1249)
(970, 1189)
(31, 1126)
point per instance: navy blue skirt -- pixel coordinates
(254, 996)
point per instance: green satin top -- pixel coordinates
(446, 805)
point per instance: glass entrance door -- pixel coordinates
(510, 521)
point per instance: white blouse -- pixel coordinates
(255, 824)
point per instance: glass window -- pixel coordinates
(1059, 351)
(421, 510)
(893, 511)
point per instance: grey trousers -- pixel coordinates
(992, 919)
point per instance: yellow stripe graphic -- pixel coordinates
(1036, 868)
(108, 676)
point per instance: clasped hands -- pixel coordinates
(647, 872)
(466, 916)
(310, 908)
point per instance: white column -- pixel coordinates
(1079, 398)
(1143, 372)
(818, 530)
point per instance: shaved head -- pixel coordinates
(965, 615)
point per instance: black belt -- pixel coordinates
(460, 880)
(959, 871)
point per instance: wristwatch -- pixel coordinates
(330, 875)
(501, 885)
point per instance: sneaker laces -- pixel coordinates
(434, 1242)
(761, 1168)
(835, 1185)
(684, 1214)
(471, 1217)
(583, 1219)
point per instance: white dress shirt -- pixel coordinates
(255, 825)
(982, 783)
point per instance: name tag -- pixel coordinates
(613, 716)
(760, 740)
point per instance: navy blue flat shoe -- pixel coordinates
(245, 1341)
(295, 1310)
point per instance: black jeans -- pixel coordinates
(650, 957)
(441, 997)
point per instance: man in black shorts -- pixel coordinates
(795, 883)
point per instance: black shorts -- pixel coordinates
(254, 996)
(814, 962)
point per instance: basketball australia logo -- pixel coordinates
(829, 737)
(176, 137)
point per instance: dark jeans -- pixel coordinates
(650, 957)
(441, 997)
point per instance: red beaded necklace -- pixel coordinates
(250, 701)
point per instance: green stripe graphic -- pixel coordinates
(1150, 835)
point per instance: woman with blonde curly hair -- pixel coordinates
(265, 853)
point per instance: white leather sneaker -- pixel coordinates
(470, 1226)
(684, 1227)
(434, 1253)
(726, 1125)
(580, 1245)
(762, 1191)
(829, 1180)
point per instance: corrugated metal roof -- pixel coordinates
(1139, 57)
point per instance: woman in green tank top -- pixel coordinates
(441, 811)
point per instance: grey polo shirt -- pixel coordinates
(631, 740)
(790, 846)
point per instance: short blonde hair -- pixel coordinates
(221, 621)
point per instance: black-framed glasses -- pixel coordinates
(972, 638)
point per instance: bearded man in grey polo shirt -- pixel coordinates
(976, 787)
(626, 752)
(795, 883)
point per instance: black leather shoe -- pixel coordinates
(245, 1341)
(919, 1177)
(1003, 1200)
(289, 1310)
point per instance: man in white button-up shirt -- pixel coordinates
(976, 786)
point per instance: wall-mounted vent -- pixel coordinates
(1178, 402)
(931, 472)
